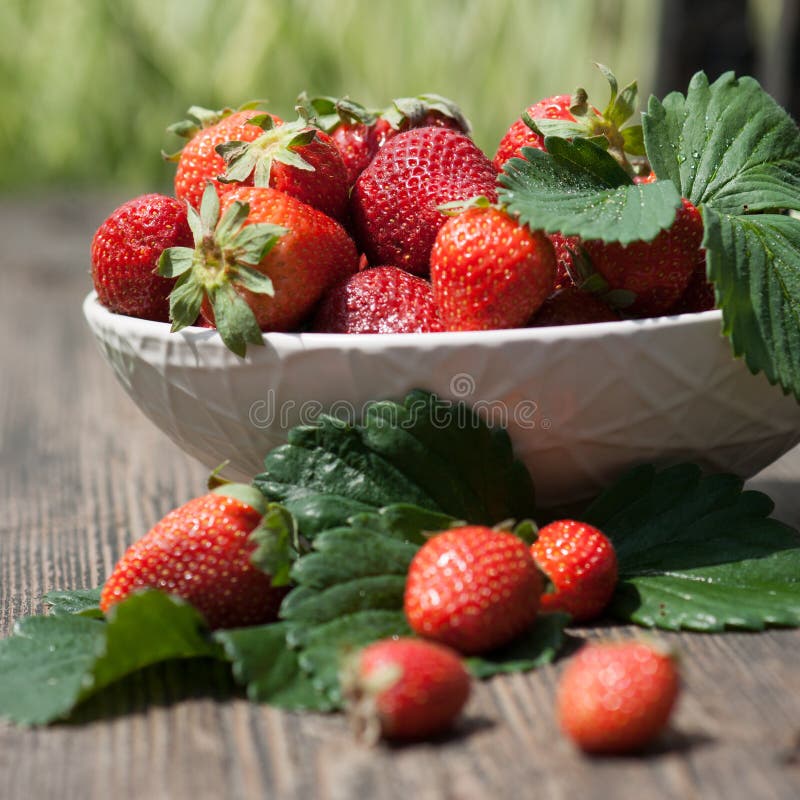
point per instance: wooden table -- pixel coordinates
(82, 473)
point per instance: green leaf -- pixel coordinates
(209, 210)
(579, 189)
(235, 320)
(277, 544)
(535, 648)
(185, 301)
(253, 242)
(432, 453)
(175, 261)
(754, 262)
(263, 663)
(728, 144)
(697, 552)
(253, 280)
(51, 664)
(75, 601)
(231, 222)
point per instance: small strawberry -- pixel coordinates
(296, 158)
(488, 271)
(617, 697)
(655, 272)
(202, 553)
(395, 202)
(581, 563)
(571, 115)
(379, 300)
(359, 133)
(573, 306)
(472, 588)
(125, 252)
(404, 688)
(263, 265)
(699, 294)
(198, 161)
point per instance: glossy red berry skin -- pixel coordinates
(201, 552)
(581, 563)
(489, 272)
(617, 698)
(405, 689)
(379, 300)
(472, 588)
(572, 306)
(125, 252)
(395, 200)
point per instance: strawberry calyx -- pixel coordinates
(607, 128)
(198, 118)
(225, 259)
(411, 112)
(277, 143)
(327, 113)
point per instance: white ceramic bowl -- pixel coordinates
(582, 402)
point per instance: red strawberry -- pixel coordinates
(404, 689)
(472, 588)
(199, 160)
(202, 553)
(295, 158)
(656, 272)
(359, 133)
(126, 249)
(263, 266)
(571, 115)
(565, 249)
(395, 200)
(488, 271)
(573, 306)
(379, 300)
(699, 294)
(617, 697)
(581, 564)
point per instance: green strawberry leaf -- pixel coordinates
(51, 664)
(432, 453)
(85, 602)
(735, 153)
(577, 188)
(263, 662)
(536, 647)
(697, 552)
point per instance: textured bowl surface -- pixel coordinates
(581, 403)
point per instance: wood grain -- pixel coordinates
(82, 473)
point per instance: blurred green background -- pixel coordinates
(88, 87)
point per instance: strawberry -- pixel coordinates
(565, 249)
(656, 272)
(571, 115)
(359, 133)
(199, 161)
(472, 588)
(125, 251)
(379, 300)
(617, 697)
(581, 563)
(699, 294)
(404, 689)
(262, 266)
(202, 553)
(573, 306)
(395, 200)
(488, 271)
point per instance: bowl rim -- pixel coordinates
(98, 316)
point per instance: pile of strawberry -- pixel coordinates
(469, 590)
(348, 220)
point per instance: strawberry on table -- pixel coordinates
(395, 202)
(261, 262)
(379, 300)
(202, 553)
(581, 563)
(125, 251)
(617, 697)
(472, 588)
(488, 271)
(404, 689)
